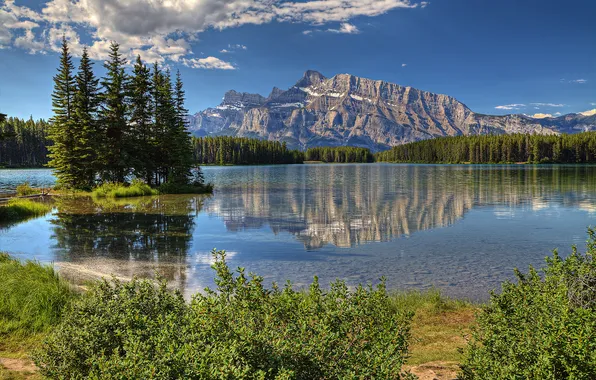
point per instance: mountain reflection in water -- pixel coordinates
(460, 228)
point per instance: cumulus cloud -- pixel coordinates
(163, 29)
(208, 63)
(541, 115)
(345, 28)
(404, 64)
(510, 107)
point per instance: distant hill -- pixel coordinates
(347, 110)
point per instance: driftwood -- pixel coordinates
(41, 195)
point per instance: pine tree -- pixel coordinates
(115, 152)
(86, 137)
(182, 155)
(62, 157)
(165, 122)
(141, 122)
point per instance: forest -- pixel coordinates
(340, 154)
(122, 126)
(23, 143)
(226, 150)
(493, 149)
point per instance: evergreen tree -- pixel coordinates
(85, 107)
(62, 157)
(182, 154)
(115, 152)
(165, 121)
(141, 122)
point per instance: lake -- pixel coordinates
(459, 228)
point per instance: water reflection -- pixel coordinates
(466, 226)
(141, 236)
(351, 205)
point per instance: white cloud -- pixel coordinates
(404, 64)
(541, 115)
(224, 51)
(164, 28)
(558, 114)
(593, 104)
(510, 107)
(580, 81)
(208, 63)
(589, 113)
(547, 105)
(345, 28)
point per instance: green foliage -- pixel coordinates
(493, 149)
(137, 188)
(242, 330)
(19, 209)
(175, 188)
(115, 149)
(62, 153)
(542, 327)
(23, 143)
(25, 189)
(225, 150)
(32, 297)
(340, 154)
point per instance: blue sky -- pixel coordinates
(496, 56)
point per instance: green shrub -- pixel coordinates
(174, 188)
(20, 209)
(137, 188)
(542, 327)
(26, 189)
(242, 330)
(32, 297)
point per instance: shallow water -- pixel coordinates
(459, 228)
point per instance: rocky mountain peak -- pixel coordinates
(242, 99)
(310, 78)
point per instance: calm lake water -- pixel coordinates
(459, 228)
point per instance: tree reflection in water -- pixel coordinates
(125, 237)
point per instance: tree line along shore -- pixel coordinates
(27, 143)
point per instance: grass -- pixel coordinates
(32, 297)
(119, 190)
(26, 189)
(439, 325)
(21, 209)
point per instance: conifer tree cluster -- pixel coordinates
(493, 149)
(340, 154)
(23, 143)
(119, 126)
(227, 150)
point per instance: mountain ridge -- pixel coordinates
(347, 110)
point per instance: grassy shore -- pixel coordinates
(17, 210)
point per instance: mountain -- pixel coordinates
(348, 110)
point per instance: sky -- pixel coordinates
(496, 56)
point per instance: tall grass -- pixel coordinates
(26, 189)
(32, 297)
(20, 209)
(118, 190)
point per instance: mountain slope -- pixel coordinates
(348, 110)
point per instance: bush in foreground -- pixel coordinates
(137, 188)
(19, 209)
(241, 331)
(542, 327)
(32, 297)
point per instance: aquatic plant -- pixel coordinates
(20, 209)
(241, 330)
(137, 188)
(541, 327)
